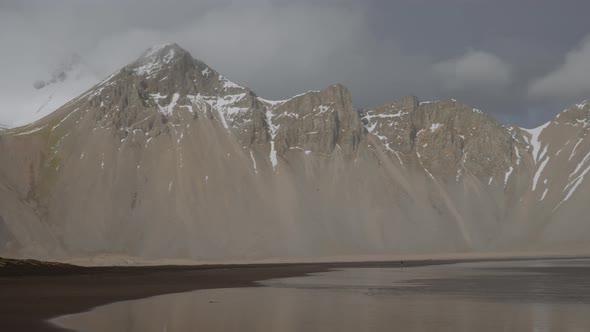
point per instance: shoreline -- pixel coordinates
(122, 260)
(31, 296)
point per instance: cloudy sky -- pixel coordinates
(521, 60)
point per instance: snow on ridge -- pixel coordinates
(64, 119)
(272, 103)
(155, 49)
(149, 62)
(278, 102)
(227, 84)
(475, 110)
(34, 130)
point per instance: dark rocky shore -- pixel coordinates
(32, 292)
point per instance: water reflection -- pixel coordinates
(500, 296)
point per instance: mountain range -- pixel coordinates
(167, 158)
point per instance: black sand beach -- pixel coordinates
(33, 292)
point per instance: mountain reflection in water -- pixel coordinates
(547, 295)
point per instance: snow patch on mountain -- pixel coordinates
(539, 172)
(510, 170)
(31, 131)
(273, 103)
(253, 162)
(228, 84)
(534, 140)
(580, 140)
(273, 133)
(435, 126)
(371, 119)
(574, 183)
(152, 60)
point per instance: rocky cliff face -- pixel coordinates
(446, 138)
(557, 186)
(169, 159)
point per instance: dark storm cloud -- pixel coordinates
(519, 60)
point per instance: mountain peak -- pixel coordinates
(162, 50)
(158, 56)
(578, 115)
(584, 105)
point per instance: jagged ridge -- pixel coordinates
(168, 158)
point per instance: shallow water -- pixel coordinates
(548, 295)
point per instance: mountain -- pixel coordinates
(66, 81)
(167, 158)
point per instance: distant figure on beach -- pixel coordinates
(401, 263)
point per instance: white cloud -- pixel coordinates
(474, 69)
(276, 48)
(570, 80)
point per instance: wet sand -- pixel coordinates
(31, 295)
(546, 295)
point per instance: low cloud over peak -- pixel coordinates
(379, 49)
(569, 80)
(474, 69)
